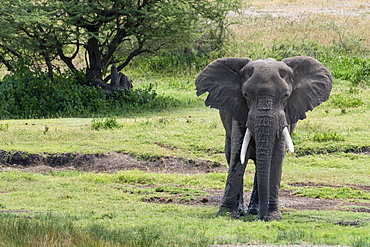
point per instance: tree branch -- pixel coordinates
(133, 54)
(6, 63)
(10, 50)
(112, 47)
(65, 59)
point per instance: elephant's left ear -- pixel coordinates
(311, 85)
(222, 78)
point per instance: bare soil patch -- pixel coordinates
(113, 162)
(288, 202)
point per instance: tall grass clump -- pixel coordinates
(327, 136)
(106, 124)
(53, 231)
(44, 231)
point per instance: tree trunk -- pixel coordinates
(94, 72)
(94, 68)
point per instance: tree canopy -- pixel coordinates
(92, 35)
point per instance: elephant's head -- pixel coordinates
(266, 96)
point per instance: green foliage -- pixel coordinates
(346, 100)
(354, 69)
(55, 32)
(327, 136)
(4, 127)
(106, 124)
(295, 236)
(51, 230)
(343, 64)
(31, 94)
(361, 242)
(140, 98)
(101, 209)
(177, 62)
(305, 48)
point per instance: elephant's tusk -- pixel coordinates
(288, 140)
(247, 138)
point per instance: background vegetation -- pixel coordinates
(73, 208)
(94, 36)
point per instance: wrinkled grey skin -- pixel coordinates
(264, 96)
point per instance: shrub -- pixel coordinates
(4, 127)
(354, 69)
(345, 101)
(30, 93)
(107, 123)
(140, 98)
(327, 136)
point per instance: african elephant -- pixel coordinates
(260, 103)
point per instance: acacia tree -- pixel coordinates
(47, 32)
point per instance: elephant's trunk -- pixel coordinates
(247, 138)
(265, 138)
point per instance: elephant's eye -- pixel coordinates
(286, 96)
(249, 72)
(282, 73)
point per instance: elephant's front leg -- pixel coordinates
(275, 179)
(232, 200)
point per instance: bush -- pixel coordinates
(345, 101)
(30, 93)
(354, 69)
(140, 98)
(327, 136)
(106, 124)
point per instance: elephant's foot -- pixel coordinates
(235, 214)
(253, 209)
(273, 213)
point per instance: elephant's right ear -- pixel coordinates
(222, 79)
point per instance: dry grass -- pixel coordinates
(325, 21)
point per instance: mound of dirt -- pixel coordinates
(111, 162)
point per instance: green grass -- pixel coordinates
(74, 208)
(187, 132)
(324, 192)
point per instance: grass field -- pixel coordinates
(331, 166)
